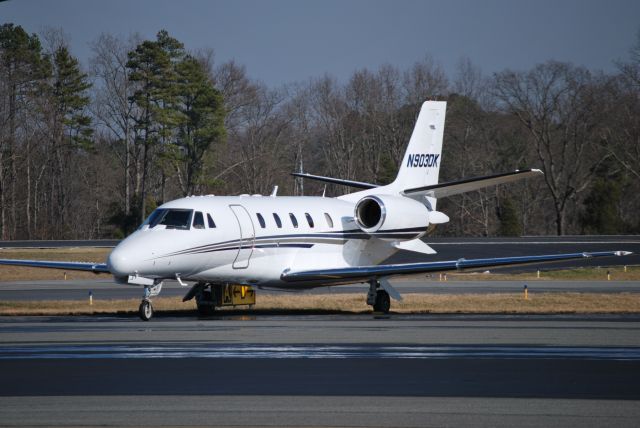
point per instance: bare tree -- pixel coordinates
(237, 90)
(621, 128)
(262, 152)
(554, 102)
(426, 80)
(112, 105)
(331, 115)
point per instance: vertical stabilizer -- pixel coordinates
(421, 163)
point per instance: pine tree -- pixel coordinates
(201, 122)
(22, 67)
(508, 217)
(70, 99)
(600, 214)
(71, 128)
(152, 68)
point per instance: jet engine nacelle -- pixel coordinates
(394, 214)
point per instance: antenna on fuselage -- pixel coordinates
(275, 192)
(324, 191)
(298, 189)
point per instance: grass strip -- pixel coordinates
(498, 303)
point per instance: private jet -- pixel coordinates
(229, 245)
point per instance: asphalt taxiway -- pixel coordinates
(322, 370)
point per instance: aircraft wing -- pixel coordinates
(442, 190)
(82, 266)
(364, 273)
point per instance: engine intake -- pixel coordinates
(370, 212)
(391, 217)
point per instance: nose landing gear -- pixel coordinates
(146, 308)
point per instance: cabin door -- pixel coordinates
(247, 236)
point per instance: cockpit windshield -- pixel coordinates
(171, 218)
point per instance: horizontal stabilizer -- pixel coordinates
(365, 273)
(83, 266)
(450, 188)
(357, 184)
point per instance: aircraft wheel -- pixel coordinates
(382, 303)
(205, 304)
(145, 310)
(205, 310)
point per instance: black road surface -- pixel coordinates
(451, 377)
(333, 370)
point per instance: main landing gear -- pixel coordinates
(204, 294)
(146, 308)
(378, 297)
(204, 301)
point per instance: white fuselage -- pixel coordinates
(243, 249)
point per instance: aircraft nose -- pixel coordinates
(120, 263)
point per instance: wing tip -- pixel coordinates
(623, 253)
(529, 170)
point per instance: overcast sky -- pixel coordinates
(287, 41)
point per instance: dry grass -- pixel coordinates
(618, 273)
(542, 303)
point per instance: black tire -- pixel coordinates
(145, 310)
(382, 303)
(205, 304)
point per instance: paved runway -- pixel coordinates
(361, 370)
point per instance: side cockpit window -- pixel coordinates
(154, 218)
(171, 218)
(210, 221)
(198, 220)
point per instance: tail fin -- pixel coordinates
(421, 163)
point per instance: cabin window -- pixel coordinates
(171, 218)
(210, 221)
(261, 220)
(294, 220)
(276, 217)
(329, 220)
(198, 220)
(309, 219)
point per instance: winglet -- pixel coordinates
(623, 253)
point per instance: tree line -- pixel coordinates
(88, 150)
